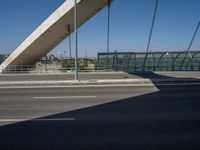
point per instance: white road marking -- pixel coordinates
(21, 120)
(65, 97)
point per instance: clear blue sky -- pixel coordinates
(130, 24)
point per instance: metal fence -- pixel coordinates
(156, 61)
(33, 69)
(51, 67)
(123, 61)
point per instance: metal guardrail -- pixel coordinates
(22, 69)
(35, 70)
(121, 61)
(155, 61)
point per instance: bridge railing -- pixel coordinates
(155, 61)
(33, 69)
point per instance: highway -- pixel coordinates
(100, 118)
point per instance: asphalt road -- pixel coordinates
(101, 118)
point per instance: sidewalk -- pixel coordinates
(100, 79)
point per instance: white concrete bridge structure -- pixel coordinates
(53, 31)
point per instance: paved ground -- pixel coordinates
(93, 76)
(29, 103)
(116, 118)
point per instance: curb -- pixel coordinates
(97, 82)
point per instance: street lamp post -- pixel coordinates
(86, 58)
(70, 48)
(76, 37)
(108, 32)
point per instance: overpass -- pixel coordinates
(53, 31)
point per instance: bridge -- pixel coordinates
(53, 31)
(61, 24)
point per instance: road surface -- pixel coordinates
(100, 118)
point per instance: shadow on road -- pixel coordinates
(167, 119)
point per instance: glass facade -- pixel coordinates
(153, 61)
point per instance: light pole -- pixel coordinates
(86, 58)
(70, 49)
(108, 32)
(76, 37)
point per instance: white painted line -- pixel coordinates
(65, 97)
(55, 119)
(21, 120)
